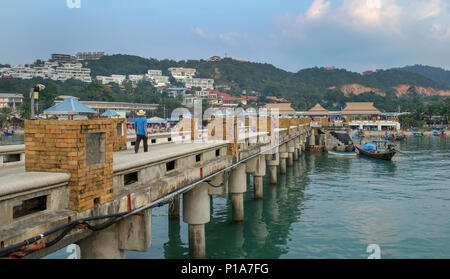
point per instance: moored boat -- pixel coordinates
(341, 153)
(377, 152)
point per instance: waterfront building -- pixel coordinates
(283, 108)
(101, 107)
(364, 116)
(11, 100)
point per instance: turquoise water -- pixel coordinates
(331, 207)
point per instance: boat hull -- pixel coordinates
(383, 156)
(338, 153)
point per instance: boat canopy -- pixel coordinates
(368, 147)
(382, 141)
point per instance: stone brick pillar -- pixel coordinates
(83, 148)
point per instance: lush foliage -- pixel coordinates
(303, 89)
(431, 113)
(434, 73)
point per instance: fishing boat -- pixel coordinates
(383, 149)
(440, 133)
(417, 134)
(342, 153)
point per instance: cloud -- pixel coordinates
(367, 31)
(228, 38)
(431, 9)
(202, 34)
(317, 9)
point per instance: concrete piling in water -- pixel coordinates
(273, 160)
(283, 158)
(102, 244)
(196, 213)
(174, 208)
(237, 188)
(260, 172)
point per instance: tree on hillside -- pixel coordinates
(5, 116)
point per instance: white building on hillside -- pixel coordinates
(11, 100)
(203, 83)
(135, 78)
(119, 79)
(182, 73)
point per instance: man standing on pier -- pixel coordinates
(140, 126)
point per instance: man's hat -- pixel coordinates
(141, 113)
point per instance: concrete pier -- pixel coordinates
(196, 212)
(237, 188)
(123, 181)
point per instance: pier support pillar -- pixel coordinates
(260, 172)
(135, 232)
(174, 208)
(196, 212)
(237, 201)
(273, 174)
(197, 246)
(102, 244)
(273, 160)
(283, 165)
(296, 154)
(283, 157)
(259, 186)
(237, 188)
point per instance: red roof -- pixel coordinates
(134, 86)
(329, 68)
(249, 98)
(122, 86)
(275, 99)
(107, 85)
(224, 96)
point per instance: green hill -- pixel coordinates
(303, 89)
(434, 73)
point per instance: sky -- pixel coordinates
(357, 35)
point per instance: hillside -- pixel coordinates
(331, 87)
(434, 73)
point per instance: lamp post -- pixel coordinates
(34, 95)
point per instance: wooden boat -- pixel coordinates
(385, 154)
(340, 153)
